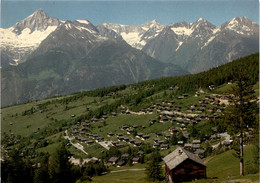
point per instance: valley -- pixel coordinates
(129, 122)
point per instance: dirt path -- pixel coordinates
(77, 145)
(116, 171)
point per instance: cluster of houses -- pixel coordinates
(121, 161)
(207, 108)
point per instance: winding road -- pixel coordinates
(77, 145)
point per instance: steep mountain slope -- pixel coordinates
(201, 45)
(25, 36)
(136, 36)
(64, 70)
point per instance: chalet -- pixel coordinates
(142, 110)
(200, 153)
(82, 133)
(138, 143)
(152, 121)
(193, 105)
(164, 146)
(99, 139)
(162, 114)
(132, 141)
(140, 153)
(145, 137)
(119, 135)
(171, 102)
(113, 160)
(160, 142)
(230, 82)
(197, 95)
(110, 134)
(95, 136)
(158, 134)
(129, 131)
(167, 136)
(139, 135)
(119, 145)
(185, 95)
(196, 142)
(187, 146)
(104, 117)
(182, 166)
(126, 139)
(210, 109)
(211, 87)
(182, 126)
(194, 122)
(195, 146)
(135, 160)
(165, 102)
(156, 140)
(115, 143)
(170, 115)
(124, 127)
(135, 126)
(168, 109)
(113, 113)
(190, 109)
(173, 130)
(125, 156)
(89, 142)
(180, 143)
(156, 145)
(120, 163)
(83, 139)
(121, 138)
(163, 119)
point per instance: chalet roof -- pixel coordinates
(113, 159)
(178, 156)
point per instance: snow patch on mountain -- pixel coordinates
(133, 39)
(24, 42)
(83, 21)
(182, 31)
(180, 43)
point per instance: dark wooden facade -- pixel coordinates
(186, 171)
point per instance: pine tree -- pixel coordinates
(240, 115)
(153, 169)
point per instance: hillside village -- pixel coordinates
(206, 109)
(120, 127)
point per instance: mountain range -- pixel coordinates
(43, 56)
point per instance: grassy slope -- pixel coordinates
(220, 168)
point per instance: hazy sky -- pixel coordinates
(132, 12)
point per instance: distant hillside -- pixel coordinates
(62, 71)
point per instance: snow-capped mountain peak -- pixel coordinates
(241, 25)
(26, 35)
(39, 21)
(83, 21)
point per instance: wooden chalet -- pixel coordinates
(113, 160)
(182, 165)
(135, 160)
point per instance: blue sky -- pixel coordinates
(132, 12)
